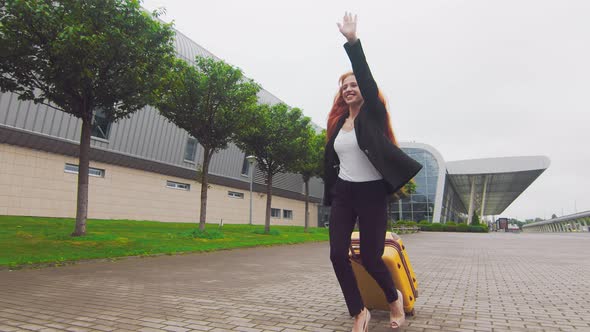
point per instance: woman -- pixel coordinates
(363, 165)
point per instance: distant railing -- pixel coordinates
(577, 222)
(405, 229)
(397, 229)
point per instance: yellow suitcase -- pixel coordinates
(396, 259)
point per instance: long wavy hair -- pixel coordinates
(340, 107)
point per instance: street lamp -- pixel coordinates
(251, 160)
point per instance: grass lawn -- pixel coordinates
(26, 241)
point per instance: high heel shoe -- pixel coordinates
(366, 319)
(397, 323)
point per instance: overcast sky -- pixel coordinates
(473, 79)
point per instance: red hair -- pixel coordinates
(340, 108)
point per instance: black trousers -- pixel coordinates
(368, 201)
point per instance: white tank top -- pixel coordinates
(354, 164)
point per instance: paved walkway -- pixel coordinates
(468, 282)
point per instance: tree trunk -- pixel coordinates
(306, 205)
(204, 187)
(83, 166)
(268, 203)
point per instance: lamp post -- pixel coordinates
(251, 159)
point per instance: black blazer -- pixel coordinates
(370, 126)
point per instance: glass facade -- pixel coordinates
(420, 205)
(452, 206)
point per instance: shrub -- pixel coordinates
(478, 229)
(436, 227)
(450, 227)
(390, 223)
(462, 228)
(425, 227)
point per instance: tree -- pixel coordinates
(82, 56)
(312, 164)
(211, 101)
(517, 222)
(553, 216)
(409, 188)
(277, 137)
(406, 191)
(475, 219)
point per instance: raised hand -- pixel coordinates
(348, 27)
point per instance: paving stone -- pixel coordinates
(103, 328)
(174, 329)
(467, 282)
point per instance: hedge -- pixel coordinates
(452, 227)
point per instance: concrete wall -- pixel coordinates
(34, 183)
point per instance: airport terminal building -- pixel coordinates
(144, 168)
(457, 190)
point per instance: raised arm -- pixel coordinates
(360, 67)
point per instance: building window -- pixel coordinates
(178, 185)
(234, 194)
(287, 214)
(245, 167)
(275, 213)
(101, 127)
(190, 152)
(72, 168)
